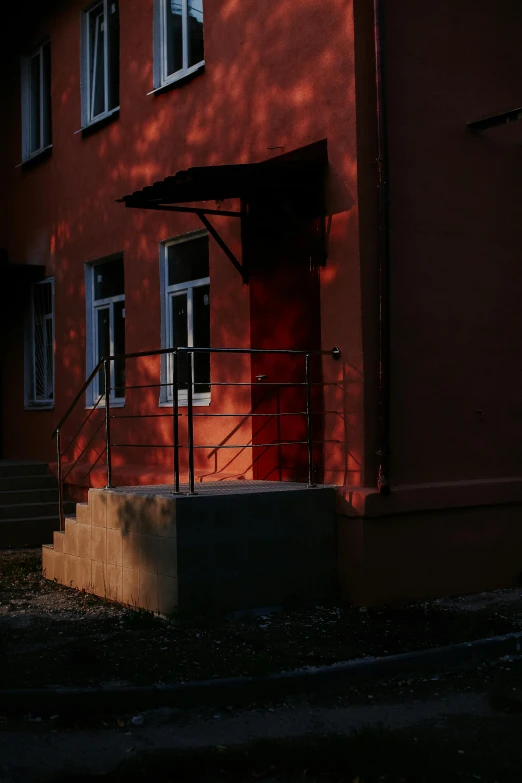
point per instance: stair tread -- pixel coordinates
(28, 476)
(47, 546)
(28, 491)
(33, 503)
(29, 519)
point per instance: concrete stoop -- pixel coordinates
(232, 546)
(28, 504)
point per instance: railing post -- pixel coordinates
(175, 423)
(309, 419)
(60, 479)
(190, 422)
(107, 377)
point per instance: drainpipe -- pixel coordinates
(383, 452)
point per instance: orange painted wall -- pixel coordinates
(456, 218)
(277, 77)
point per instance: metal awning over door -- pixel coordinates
(292, 183)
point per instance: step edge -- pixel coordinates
(28, 519)
(35, 489)
(36, 503)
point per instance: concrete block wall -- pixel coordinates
(121, 547)
(200, 554)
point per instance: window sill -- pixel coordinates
(36, 157)
(99, 122)
(35, 407)
(101, 406)
(200, 402)
(178, 80)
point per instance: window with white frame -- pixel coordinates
(100, 66)
(40, 346)
(36, 102)
(178, 39)
(185, 284)
(105, 299)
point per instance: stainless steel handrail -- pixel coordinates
(105, 363)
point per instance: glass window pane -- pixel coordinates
(46, 108)
(97, 60)
(173, 36)
(42, 348)
(109, 279)
(180, 333)
(49, 358)
(39, 359)
(119, 348)
(44, 297)
(201, 327)
(35, 103)
(114, 54)
(103, 343)
(195, 32)
(188, 261)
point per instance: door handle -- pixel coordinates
(261, 377)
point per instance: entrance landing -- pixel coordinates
(232, 546)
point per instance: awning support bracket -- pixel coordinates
(186, 210)
(223, 245)
(498, 119)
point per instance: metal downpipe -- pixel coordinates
(383, 452)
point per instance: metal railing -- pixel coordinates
(189, 353)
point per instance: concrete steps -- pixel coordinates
(100, 551)
(27, 482)
(28, 504)
(15, 497)
(21, 510)
(12, 468)
(232, 546)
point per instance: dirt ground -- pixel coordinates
(460, 725)
(52, 635)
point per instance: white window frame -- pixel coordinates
(168, 292)
(88, 118)
(30, 400)
(92, 358)
(161, 77)
(27, 154)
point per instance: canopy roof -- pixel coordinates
(299, 172)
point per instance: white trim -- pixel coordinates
(30, 400)
(98, 119)
(93, 306)
(88, 58)
(167, 293)
(117, 403)
(41, 128)
(202, 401)
(161, 78)
(34, 155)
(44, 135)
(184, 35)
(179, 76)
(106, 61)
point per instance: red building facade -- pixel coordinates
(422, 306)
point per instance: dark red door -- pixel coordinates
(285, 314)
